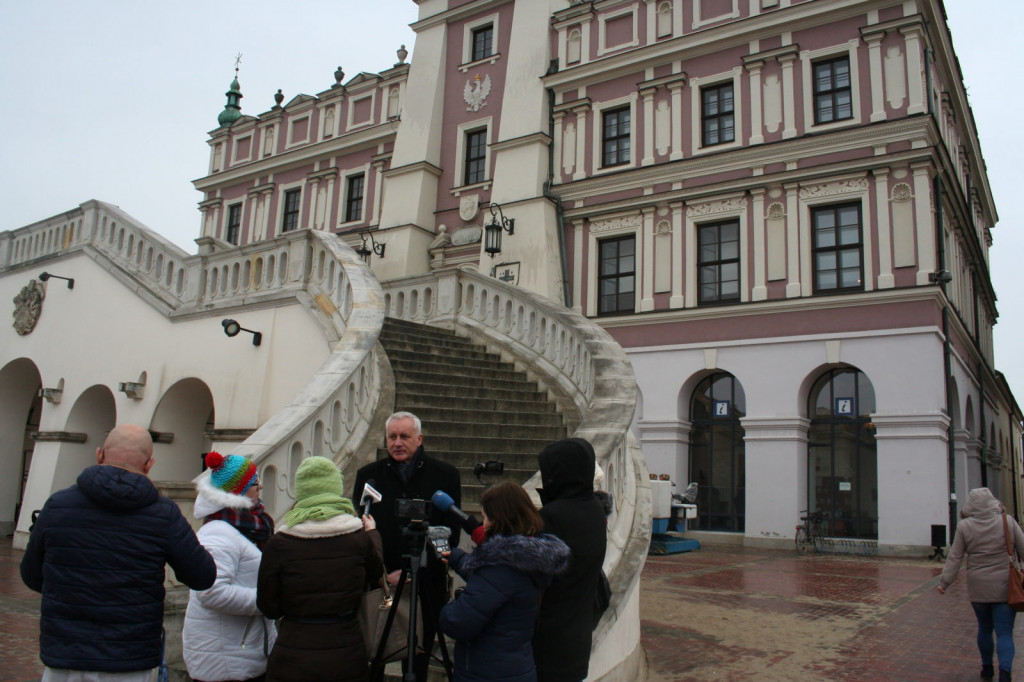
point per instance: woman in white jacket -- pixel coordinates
(225, 636)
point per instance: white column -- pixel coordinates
(776, 458)
(678, 255)
(793, 288)
(581, 143)
(647, 98)
(756, 128)
(690, 236)
(760, 291)
(676, 89)
(874, 41)
(924, 222)
(886, 280)
(646, 262)
(915, 70)
(557, 142)
(378, 191)
(788, 96)
(577, 267)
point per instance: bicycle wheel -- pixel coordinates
(803, 541)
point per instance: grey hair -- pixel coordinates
(405, 415)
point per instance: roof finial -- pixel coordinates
(232, 110)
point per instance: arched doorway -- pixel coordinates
(842, 465)
(718, 453)
(181, 424)
(20, 406)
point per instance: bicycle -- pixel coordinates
(811, 531)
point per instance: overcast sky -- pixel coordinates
(113, 100)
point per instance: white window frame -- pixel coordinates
(697, 12)
(365, 172)
(235, 159)
(602, 30)
(281, 191)
(291, 141)
(720, 209)
(697, 120)
(240, 202)
(460, 152)
(467, 42)
(597, 136)
(351, 123)
(842, 190)
(807, 59)
(632, 224)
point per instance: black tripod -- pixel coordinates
(416, 559)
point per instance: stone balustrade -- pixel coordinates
(588, 375)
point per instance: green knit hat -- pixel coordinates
(318, 476)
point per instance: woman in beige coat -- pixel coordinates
(980, 537)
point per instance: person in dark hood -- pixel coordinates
(982, 537)
(572, 512)
(97, 554)
(492, 621)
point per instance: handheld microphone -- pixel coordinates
(438, 536)
(370, 495)
(445, 503)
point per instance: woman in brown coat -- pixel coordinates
(981, 538)
(312, 578)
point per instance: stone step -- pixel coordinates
(423, 371)
(406, 344)
(433, 389)
(496, 431)
(429, 412)
(418, 402)
(432, 354)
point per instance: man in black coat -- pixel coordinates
(408, 474)
(571, 511)
(97, 554)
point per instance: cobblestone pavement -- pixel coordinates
(729, 614)
(723, 613)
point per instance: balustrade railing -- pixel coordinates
(586, 372)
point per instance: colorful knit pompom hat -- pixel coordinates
(233, 474)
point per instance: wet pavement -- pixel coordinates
(730, 614)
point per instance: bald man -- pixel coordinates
(97, 554)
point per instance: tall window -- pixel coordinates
(837, 248)
(717, 114)
(842, 460)
(290, 221)
(476, 157)
(354, 198)
(483, 42)
(718, 453)
(719, 265)
(615, 137)
(833, 94)
(234, 223)
(616, 279)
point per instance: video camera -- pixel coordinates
(417, 529)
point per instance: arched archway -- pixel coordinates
(20, 407)
(842, 464)
(93, 415)
(181, 422)
(718, 453)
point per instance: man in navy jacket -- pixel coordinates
(97, 555)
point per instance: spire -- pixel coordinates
(232, 110)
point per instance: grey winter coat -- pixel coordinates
(980, 537)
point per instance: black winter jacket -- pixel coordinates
(492, 620)
(97, 554)
(571, 511)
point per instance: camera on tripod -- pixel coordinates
(417, 529)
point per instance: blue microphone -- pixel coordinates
(443, 501)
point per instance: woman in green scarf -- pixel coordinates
(312, 578)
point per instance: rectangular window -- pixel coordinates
(476, 157)
(717, 115)
(483, 42)
(837, 248)
(616, 279)
(234, 223)
(833, 94)
(615, 138)
(354, 198)
(290, 220)
(719, 267)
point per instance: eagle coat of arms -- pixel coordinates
(476, 91)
